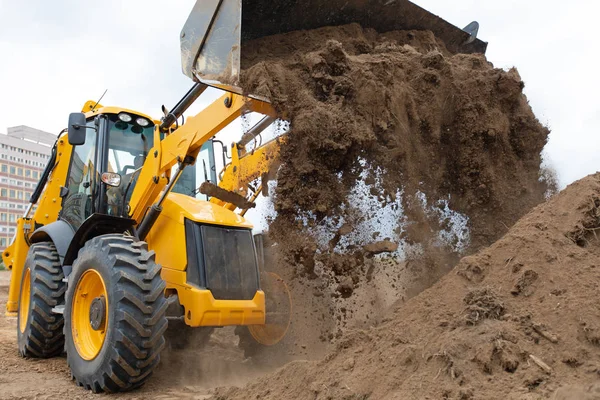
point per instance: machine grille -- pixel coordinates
(223, 260)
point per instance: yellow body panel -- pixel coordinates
(244, 169)
(202, 309)
(167, 239)
(187, 140)
(49, 206)
(91, 108)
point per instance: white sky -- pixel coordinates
(55, 55)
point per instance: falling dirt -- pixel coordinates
(434, 124)
(443, 149)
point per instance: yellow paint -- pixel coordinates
(202, 309)
(24, 300)
(167, 237)
(100, 109)
(187, 141)
(271, 332)
(242, 170)
(88, 341)
(169, 227)
(46, 213)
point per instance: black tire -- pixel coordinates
(180, 336)
(135, 316)
(43, 334)
(247, 343)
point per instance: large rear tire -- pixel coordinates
(114, 314)
(39, 330)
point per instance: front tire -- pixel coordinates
(39, 330)
(114, 314)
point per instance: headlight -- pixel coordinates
(125, 117)
(142, 122)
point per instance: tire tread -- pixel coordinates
(44, 337)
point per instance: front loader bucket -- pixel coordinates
(213, 36)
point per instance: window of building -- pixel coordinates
(4, 168)
(27, 173)
(12, 218)
(3, 242)
(3, 217)
(19, 195)
(12, 194)
(13, 170)
(20, 171)
(35, 174)
(3, 193)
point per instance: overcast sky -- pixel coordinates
(55, 55)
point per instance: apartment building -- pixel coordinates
(24, 153)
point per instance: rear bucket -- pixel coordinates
(213, 36)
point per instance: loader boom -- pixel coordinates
(184, 143)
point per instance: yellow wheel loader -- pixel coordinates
(119, 246)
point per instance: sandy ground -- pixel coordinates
(189, 374)
(50, 379)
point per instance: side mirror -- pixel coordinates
(76, 129)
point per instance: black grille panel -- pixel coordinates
(222, 259)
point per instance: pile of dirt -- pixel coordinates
(518, 320)
(391, 131)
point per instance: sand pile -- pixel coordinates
(517, 320)
(400, 159)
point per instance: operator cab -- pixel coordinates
(109, 151)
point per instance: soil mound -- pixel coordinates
(517, 320)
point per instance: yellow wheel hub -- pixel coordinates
(279, 311)
(89, 314)
(24, 301)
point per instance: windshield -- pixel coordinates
(128, 144)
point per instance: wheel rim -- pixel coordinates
(24, 301)
(279, 311)
(88, 324)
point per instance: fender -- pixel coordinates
(59, 232)
(96, 225)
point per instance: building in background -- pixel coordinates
(24, 153)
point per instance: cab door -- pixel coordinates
(83, 179)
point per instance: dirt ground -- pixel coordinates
(50, 379)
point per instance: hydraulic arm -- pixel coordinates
(180, 148)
